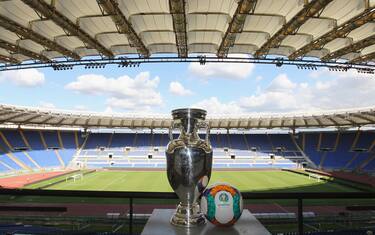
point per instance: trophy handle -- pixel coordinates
(173, 126)
(205, 125)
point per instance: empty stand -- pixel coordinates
(24, 150)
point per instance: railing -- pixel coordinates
(166, 195)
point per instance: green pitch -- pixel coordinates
(150, 181)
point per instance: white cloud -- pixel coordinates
(258, 78)
(328, 91)
(281, 83)
(177, 88)
(139, 93)
(213, 106)
(108, 110)
(47, 105)
(24, 78)
(80, 107)
(222, 70)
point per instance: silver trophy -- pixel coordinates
(189, 164)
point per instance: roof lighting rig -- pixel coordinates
(366, 70)
(338, 68)
(122, 62)
(95, 66)
(307, 66)
(62, 67)
(126, 63)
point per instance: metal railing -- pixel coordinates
(131, 195)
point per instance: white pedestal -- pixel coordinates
(158, 224)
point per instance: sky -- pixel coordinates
(221, 89)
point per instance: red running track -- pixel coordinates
(22, 180)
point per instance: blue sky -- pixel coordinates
(159, 88)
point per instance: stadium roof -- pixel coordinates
(46, 30)
(18, 115)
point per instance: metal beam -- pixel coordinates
(363, 58)
(177, 9)
(360, 116)
(305, 122)
(294, 122)
(29, 34)
(332, 120)
(51, 13)
(74, 123)
(62, 119)
(6, 112)
(16, 115)
(316, 118)
(369, 41)
(124, 26)
(45, 121)
(9, 59)
(235, 26)
(347, 118)
(340, 31)
(309, 10)
(26, 121)
(17, 49)
(111, 123)
(282, 123)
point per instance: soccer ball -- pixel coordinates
(222, 204)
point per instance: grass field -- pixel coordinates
(151, 181)
(156, 181)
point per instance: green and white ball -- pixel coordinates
(222, 204)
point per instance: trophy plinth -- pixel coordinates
(189, 164)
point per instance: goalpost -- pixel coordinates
(74, 177)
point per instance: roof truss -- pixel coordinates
(236, 25)
(17, 49)
(177, 9)
(351, 48)
(28, 33)
(124, 26)
(341, 31)
(8, 59)
(309, 10)
(51, 13)
(364, 58)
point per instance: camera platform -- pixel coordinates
(158, 224)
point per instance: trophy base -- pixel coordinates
(188, 216)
